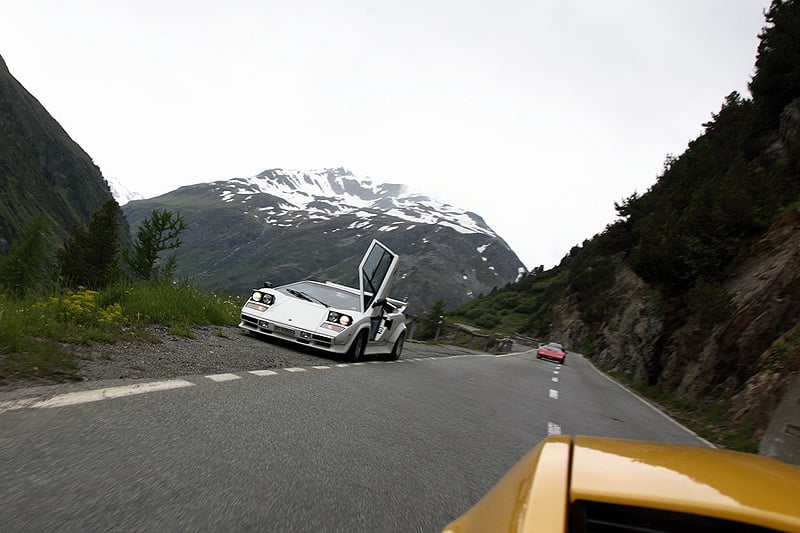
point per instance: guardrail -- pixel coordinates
(428, 329)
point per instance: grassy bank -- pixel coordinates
(34, 329)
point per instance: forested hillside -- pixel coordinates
(694, 290)
(42, 170)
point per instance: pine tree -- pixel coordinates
(90, 255)
(158, 233)
(777, 78)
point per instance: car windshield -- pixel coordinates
(553, 348)
(324, 294)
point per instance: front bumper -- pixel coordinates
(290, 333)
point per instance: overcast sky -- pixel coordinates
(536, 114)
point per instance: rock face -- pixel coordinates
(634, 315)
(283, 226)
(738, 341)
(752, 356)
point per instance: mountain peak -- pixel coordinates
(330, 192)
(121, 193)
(293, 224)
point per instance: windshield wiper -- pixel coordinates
(304, 296)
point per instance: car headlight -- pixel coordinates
(263, 297)
(339, 318)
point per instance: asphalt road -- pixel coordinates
(380, 446)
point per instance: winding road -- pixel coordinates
(376, 446)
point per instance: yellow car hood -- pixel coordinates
(541, 490)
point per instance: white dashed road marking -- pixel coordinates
(73, 398)
(223, 377)
(553, 429)
(555, 380)
(263, 373)
(554, 394)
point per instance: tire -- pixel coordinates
(397, 351)
(356, 351)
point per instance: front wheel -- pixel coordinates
(397, 351)
(356, 351)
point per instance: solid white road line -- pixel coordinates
(11, 405)
(72, 398)
(650, 405)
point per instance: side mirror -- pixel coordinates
(267, 285)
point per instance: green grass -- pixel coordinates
(23, 354)
(180, 306)
(33, 329)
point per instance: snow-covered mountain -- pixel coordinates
(121, 193)
(329, 193)
(283, 226)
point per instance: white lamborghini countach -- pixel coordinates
(332, 317)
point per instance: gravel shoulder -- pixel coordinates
(213, 350)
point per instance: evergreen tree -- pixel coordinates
(90, 255)
(430, 321)
(158, 233)
(777, 78)
(25, 268)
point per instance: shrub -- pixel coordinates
(80, 308)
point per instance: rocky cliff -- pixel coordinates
(750, 357)
(736, 343)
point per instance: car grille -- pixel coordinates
(302, 336)
(249, 320)
(594, 517)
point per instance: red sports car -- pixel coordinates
(552, 352)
